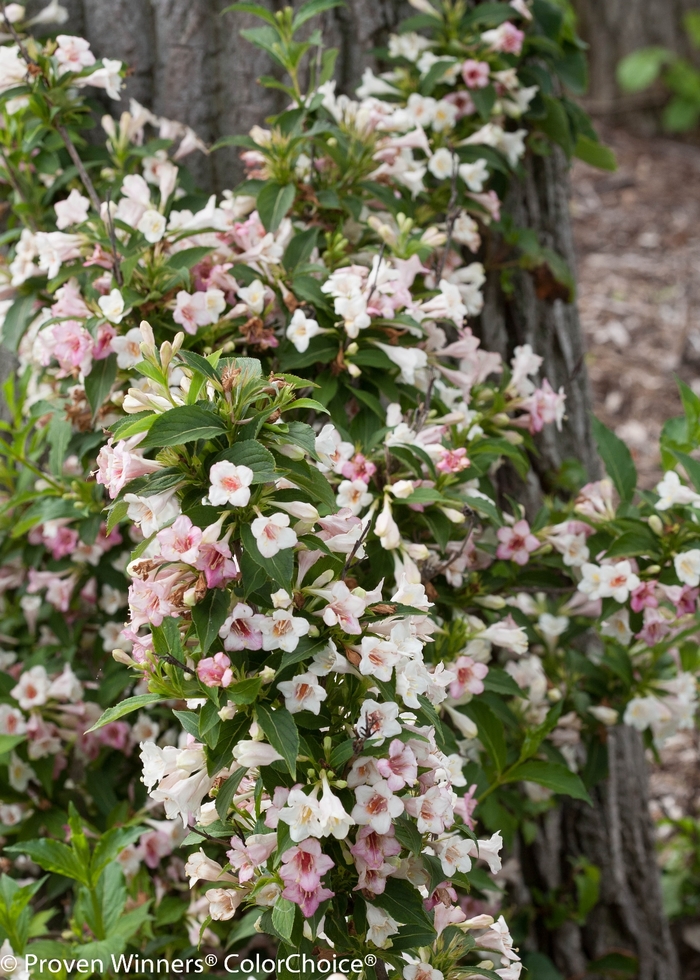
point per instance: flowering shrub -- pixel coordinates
(343, 647)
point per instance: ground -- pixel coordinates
(637, 236)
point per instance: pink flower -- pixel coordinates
(301, 871)
(343, 609)
(433, 811)
(376, 807)
(453, 460)
(241, 630)
(470, 677)
(683, 597)
(73, 210)
(115, 735)
(246, 856)
(215, 558)
(516, 542)
(475, 73)
(374, 848)
(400, 768)
(465, 807)
(117, 465)
(69, 302)
(644, 596)
(102, 347)
(358, 468)
(506, 38)
(464, 104)
(72, 347)
(215, 671)
(545, 406)
(655, 627)
(180, 541)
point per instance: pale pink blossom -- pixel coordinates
(215, 671)
(240, 631)
(119, 464)
(301, 871)
(400, 768)
(229, 484)
(273, 534)
(469, 677)
(475, 73)
(302, 693)
(516, 542)
(376, 806)
(72, 211)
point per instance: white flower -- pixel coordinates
(376, 807)
(253, 296)
(441, 164)
(617, 626)
(381, 926)
(66, 687)
(11, 721)
(200, 867)
(229, 484)
(445, 115)
(108, 77)
(640, 713)
(32, 689)
(331, 814)
(552, 627)
(353, 494)
(608, 716)
(16, 965)
(408, 359)
(72, 211)
(411, 594)
(151, 513)
(273, 534)
(673, 493)
(152, 226)
(127, 348)
(454, 854)
(19, 773)
(421, 971)
(250, 753)
(301, 813)
(378, 657)
(489, 851)
(301, 329)
(112, 306)
(386, 528)
(474, 175)
(507, 635)
(378, 721)
(282, 630)
(687, 565)
(302, 693)
(224, 902)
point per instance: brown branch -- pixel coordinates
(452, 213)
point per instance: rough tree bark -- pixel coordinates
(189, 63)
(615, 28)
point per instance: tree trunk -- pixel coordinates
(552, 328)
(615, 28)
(615, 835)
(190, 64)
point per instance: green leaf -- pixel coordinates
(641, 68)
(52, 855)
(16, 321)
(283, 913)
(408, 835)
(299, 249)
(640, 541)
(188, 257)
(312, 8)
(125, 708)
(60, 432)
(617, 460)
(691, 467)
(553, 775)
(252, 454)
(245, 692)
(556, 124)
(280, 567)
(227, 791)
(691, 409)
(403, 903)
(10, 742)
(200, 364)
(208, 616)
(594, 153)
(183, 424)
(274, 200)
(281, 732)
(99, 381)
(490, 732)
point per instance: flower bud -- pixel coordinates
(656, 524)
(353, 370)
(490, 601)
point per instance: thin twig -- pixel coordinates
(355, 549)
(376, 275)
(451, 216)
(109, 221)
